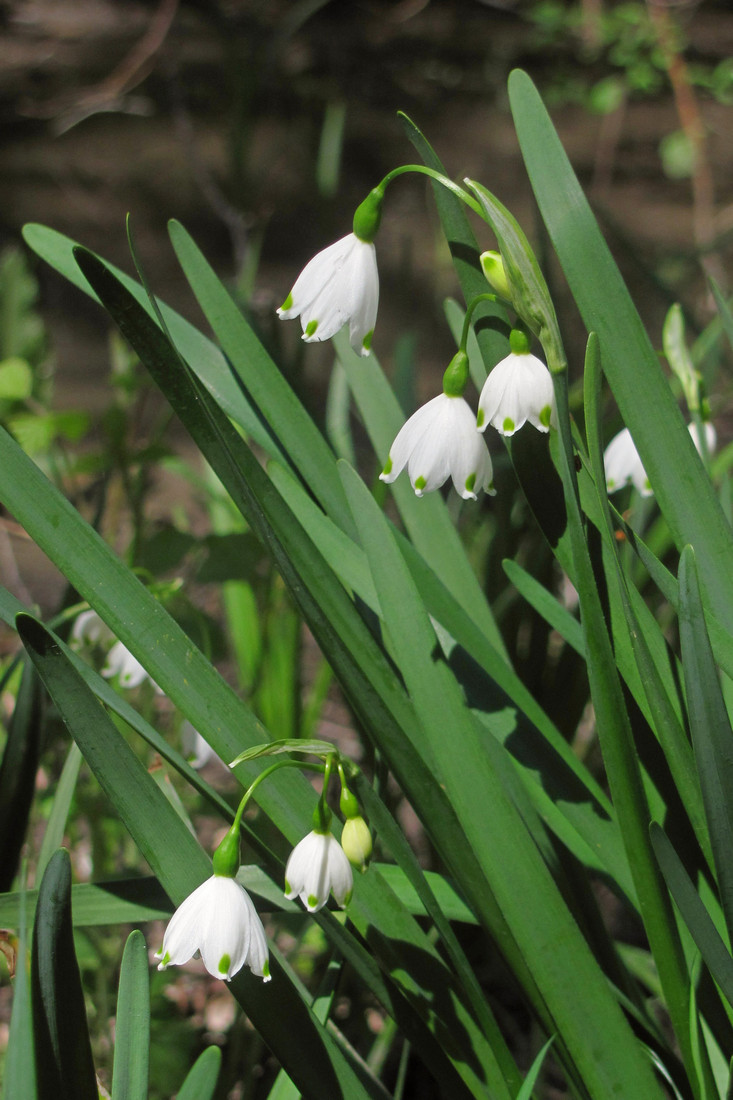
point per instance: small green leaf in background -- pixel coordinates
(202, 1077)
(132, 1023)
(16, 379)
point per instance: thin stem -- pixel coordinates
(423, 170)
(269, 771)
(470, 308)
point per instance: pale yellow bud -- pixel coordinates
(356, 841)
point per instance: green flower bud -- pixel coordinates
(368, 215)
(492, 266)
(356, 841)
(456, 375)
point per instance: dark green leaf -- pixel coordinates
(18, 772)
(64, 1066)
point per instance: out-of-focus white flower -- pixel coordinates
(440, 441)
(130, 673)
(317, 867)
(339, 286)
(518, 389)
(196, 749)
(622, 463)
(711, 437)
(219, 921)
(90, 630)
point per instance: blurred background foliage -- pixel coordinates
(261, 124)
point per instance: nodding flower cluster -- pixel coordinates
(219, 921)
(442, 439)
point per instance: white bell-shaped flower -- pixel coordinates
(623, 465)
(339, 286)
(440, 441)
(518, 389)
(219, 921)
(90, 630)
(122, 664)
(317, 867)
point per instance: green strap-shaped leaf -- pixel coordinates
(57, 819)
(64, 1066)
(18, 773)
(702, 928)
(201, 1079)
(643, 634)
(428, 523)
(712, 737)
(20, 1063)
(630, 363)
(572, 985)
(132, 1023)
(546, 605)
(58, 251)
(306, 449)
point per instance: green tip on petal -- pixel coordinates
(288, 303)
(312, 901)
(420, 483)
(470, 482)
(224, 963)
(266, 969)
(310, 328)
(367, 341)
(545, 416)
(347, 899)
(647, 483)
(165, 961)
(480, 419)
(288, 888)
(387, 467)
(611, 483)
(508, 425)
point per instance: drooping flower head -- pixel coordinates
(90, 631)
(340, 285)
(623, 465)
(218, 921)
(440, 441)
(518, 389)
(317, 867)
